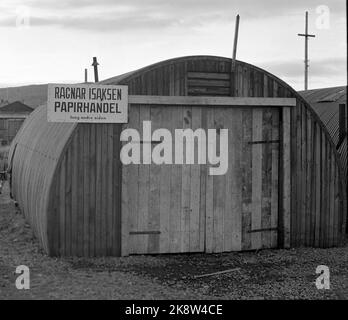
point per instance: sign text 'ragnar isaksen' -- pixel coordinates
(87, 103)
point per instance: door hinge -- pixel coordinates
(263, 141)
(262, 230)
(144, 232)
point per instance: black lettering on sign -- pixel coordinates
(86, 107)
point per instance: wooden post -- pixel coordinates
(234, 54)
(235, 40)
(284, 180)
(95, 65)
(306, 61)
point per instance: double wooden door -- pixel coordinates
(174, 208)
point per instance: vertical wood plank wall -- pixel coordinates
(161, 215)
(310, 144)
(8, 129)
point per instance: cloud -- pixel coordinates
(254, 6)
(110, 15)
(322, 73)
(114, 23)
(112, 18)
(322, 67)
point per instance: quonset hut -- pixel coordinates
(283, 187)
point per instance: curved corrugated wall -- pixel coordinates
(325, 102)
(35, 153)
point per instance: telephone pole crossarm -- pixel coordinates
(306, 35)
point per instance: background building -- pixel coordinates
(12, 117)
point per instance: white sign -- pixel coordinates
(87, 103)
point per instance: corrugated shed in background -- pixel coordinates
(325, 103)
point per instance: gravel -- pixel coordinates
(264, 274)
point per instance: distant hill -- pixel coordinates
(33, 95)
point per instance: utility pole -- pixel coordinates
(306, 35)
(95, 65)
(234, 54)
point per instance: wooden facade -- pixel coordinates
(181, 208)
(12, 117)
(8, 130)
(283, 187)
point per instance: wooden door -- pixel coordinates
(162, 203)
(181, 208)
(242, 206)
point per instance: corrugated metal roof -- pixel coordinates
(325, 103)
(16, 107)
(334, 94)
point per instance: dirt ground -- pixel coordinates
(266, 274)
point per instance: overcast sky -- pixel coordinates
(53, 41)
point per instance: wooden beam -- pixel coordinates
(285, 178)
(233, 62)
(125, 210)
(208, 75)
(215, 273)
(212, 101)
(234, 55)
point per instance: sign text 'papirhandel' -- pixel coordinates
(86, 107)
(87, 103)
